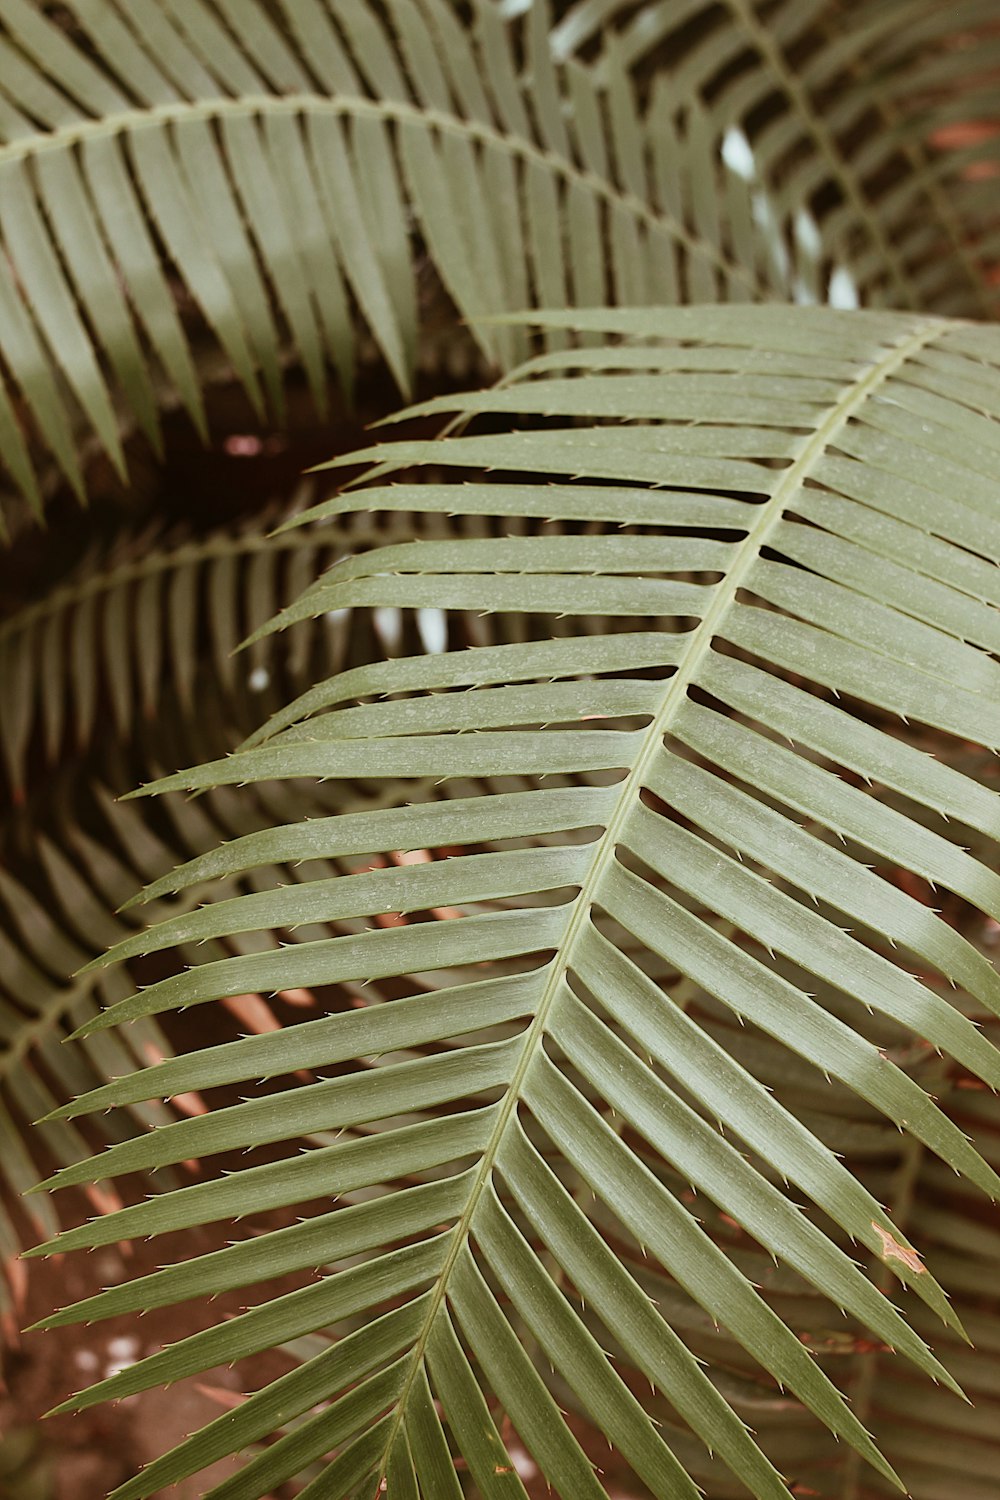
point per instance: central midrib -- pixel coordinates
(771, 513)
(390, 110)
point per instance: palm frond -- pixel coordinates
(288, 170)
(39, 1007)
(648, 947)
(81, 870)
(46, 934)
(870, 129)
(154, 617)
(130, 663)
(298, 165)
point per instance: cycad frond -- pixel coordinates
(287, 170)
(871, 129)
(46, 935)
(132, 660)
(153, 619)
(290, 161)
(647, 942)
(39, 1007)
(81, 872)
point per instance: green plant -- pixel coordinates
(613, 884)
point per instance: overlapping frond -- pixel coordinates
(945, 1448)
(153, 624)
(131, 664)
(81, 872)
(297, 165)
(871, 129)
(41, 948)
(288, 165)
(652, 988)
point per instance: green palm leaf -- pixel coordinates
(870, 128)
(39, 1007)
(298, 164)
(152, 617)
(634, 897)
(148, 631)
(287, 169)
(60, 889)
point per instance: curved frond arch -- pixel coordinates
(279, 176)
(287, 172)
(153, 623)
